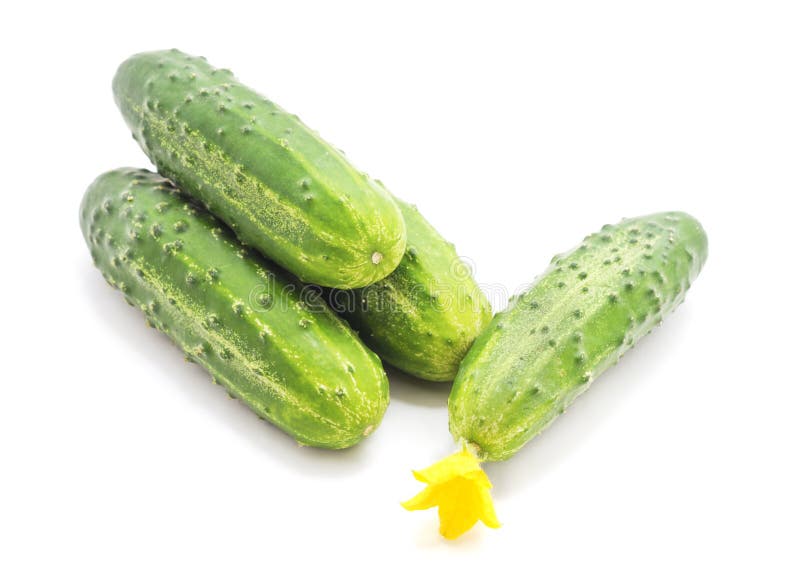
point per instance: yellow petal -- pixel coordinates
(460, 489)
(460, 510)
(422, 501)
(488, 515)
(461, 463)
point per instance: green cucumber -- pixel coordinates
(286, 355)
(423, 317)
(589, 307)
(275, 182)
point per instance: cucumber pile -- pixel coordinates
(289, 275)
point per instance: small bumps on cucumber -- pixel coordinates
(284, 354)
(259, 169)
(423, 317)
(589, 307)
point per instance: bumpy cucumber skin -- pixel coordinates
(589, 307)
(280, 187)
(423, 317)
(286, 356)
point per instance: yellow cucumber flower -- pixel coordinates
(460, 488)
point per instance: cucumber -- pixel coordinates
(276, 183)
(588, 308)
(286, 355)
(423, 317)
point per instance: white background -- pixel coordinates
(517, 129)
